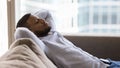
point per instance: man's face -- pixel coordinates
(38, 26)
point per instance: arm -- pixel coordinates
(26, 33)
(50, 21)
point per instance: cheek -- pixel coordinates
(40, 28)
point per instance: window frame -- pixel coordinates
(11, 20)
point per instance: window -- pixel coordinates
(3, 27)
(78, 16)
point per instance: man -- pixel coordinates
(60, 50)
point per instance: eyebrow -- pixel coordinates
(34, 18)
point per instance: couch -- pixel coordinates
(102, 47)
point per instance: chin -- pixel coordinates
(43, 33)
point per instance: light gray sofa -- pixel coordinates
(102, 47)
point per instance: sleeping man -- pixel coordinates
(64, 54)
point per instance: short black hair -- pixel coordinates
(23, 20)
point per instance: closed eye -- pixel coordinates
(37, 21)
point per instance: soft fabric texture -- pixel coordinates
(26, 33)
(61, 51)
(24, 53)
(114, 64)
(67, 55)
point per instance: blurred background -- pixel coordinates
(80, 16)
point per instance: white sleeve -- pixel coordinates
(22, 32)
(50, 21)
(65, 55)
